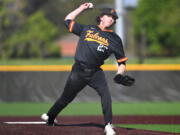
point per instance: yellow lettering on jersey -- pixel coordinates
(90, 36)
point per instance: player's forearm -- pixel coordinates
(121, 69)
(72, 15)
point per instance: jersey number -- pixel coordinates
(102, 48)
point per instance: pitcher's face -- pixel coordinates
(107, 21)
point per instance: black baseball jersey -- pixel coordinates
(95, 45)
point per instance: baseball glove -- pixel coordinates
(124, 80)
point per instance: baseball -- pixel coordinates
(91, 5)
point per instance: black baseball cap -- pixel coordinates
(110, 11)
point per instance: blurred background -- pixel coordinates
(35, 29)
(33, 33)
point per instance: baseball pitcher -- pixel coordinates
(96, 44)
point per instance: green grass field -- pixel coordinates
(137, 108)
(153, 127)
(70, 61)
(33, 109)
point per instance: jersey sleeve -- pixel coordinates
(74, 27)
(119, 52)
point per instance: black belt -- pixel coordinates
(84, 68)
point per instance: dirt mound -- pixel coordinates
(81, 125)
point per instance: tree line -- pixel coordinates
(31, 28)
(157, 26)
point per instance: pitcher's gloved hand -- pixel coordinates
(124, 80)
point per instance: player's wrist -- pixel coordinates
(83, 7)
